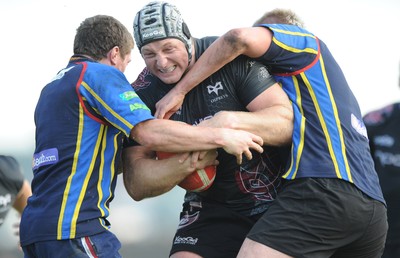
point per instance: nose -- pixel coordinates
(162, 61)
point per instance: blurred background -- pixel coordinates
(36, 42)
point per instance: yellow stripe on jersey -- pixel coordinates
(125, 122)
(323, 124)
(295, 50)
(302, 131)
(296, 33)
(73, 171)
(86, 181)
(339, 128)
(101, 170)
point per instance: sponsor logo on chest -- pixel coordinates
(217, 90)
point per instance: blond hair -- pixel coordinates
(281, 16)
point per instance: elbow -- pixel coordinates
(135, 192)
(235, 38)
(137, 196)
(143, 134)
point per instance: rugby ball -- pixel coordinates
(200, 180)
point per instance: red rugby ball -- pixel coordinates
(200, 180)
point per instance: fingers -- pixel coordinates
(169, 104)
(160, 110)
(259, 143)
(257, 148)
(214, 155)
(159, 113)
(239, 159)
(183, 157)
(168, 114)
(200, 159)
(248, 154)
(194, 158)
(202, 154)
(255, 144)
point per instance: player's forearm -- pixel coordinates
(166, 135)
(220, 52)
(274, 125)
(146, 178)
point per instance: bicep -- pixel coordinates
(272, 96)
(133, 154)
(257, 41)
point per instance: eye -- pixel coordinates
(148, 55)
(169, 49)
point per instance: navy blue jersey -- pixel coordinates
(81, 118)
(11, 181)
(250, 187)
(384, 134)
(329, 139)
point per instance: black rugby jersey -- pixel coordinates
(384, 139)
(11, 181)
(250, 187)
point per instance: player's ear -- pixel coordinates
(113, 55)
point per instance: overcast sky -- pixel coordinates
(37, 37)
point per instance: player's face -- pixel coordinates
(167, 59)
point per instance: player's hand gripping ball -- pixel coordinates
(200, 180)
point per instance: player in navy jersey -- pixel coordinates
(331, 204)
(242, 95)
(81, 118)
(384, 139)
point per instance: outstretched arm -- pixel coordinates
(252, 42)
(172, 136)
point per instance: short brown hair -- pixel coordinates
(97, 35)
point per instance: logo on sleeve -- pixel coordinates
(359, 126)
(263, 74)
(46, 157)
(128, 95)
(137, 106)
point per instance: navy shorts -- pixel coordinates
(103, 245)
(323, 218)
(211, 230)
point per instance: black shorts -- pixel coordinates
(323, 218)
(211, 230)
(391, 251)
